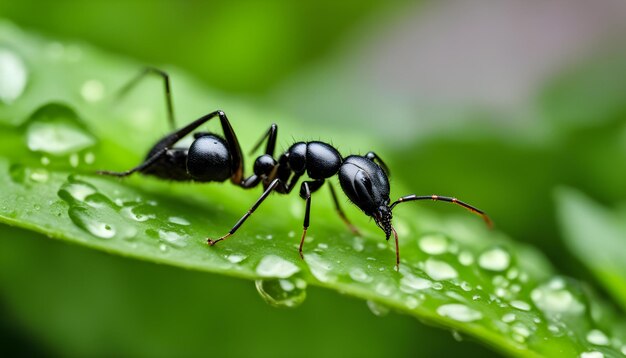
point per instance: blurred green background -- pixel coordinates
(498, 104)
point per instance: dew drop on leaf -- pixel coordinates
(496, 259)
(434, 244)
(359, 275)
(439, 270)
(592, 354)
(13, 76)
(276, 266)
(282, 292)
(55, 129)
(597, 337)
(92, 91)
(459, 312)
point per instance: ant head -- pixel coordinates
(383, 217)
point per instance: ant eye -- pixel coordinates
(264, 164)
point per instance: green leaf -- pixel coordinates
(455, 273)
(597, 237)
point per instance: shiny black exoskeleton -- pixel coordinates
(364, 179)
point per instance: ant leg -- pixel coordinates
(342, 215)
(146, 164)
(306, 189)
(166, 86)
(263, 196)
(376, 159)
(448, 199)
(270, 135)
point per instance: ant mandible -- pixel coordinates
(211, 157)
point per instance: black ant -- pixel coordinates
(211, 157)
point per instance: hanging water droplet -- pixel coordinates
(520, 305)
(359, 275)
(178, 221)
(434, 244)
(13, 76)
(276, 266)
(457, 336)
(597, 337)
(377, 309)
(496, 259)
(54, 129)
(320, 268)
(282, 292)
(459, 312)
(439, 270)
(592, 354)
(92, 91)
(554, 298)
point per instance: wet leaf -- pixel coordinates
(455, 273)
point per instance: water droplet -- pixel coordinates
(45, 160)
(92, 91)
(13, 76)
(75, 190)
(554, 298)
(173, 238)
(39, 175)
(89, 158)
(508, 318)
(320, 268)
(282, 292)
(359, 275)
(496, 259)
(384, 288)
(381, 245)
(358, 244)
(411, 302)
(74, 160)
(236, 258)
(139, 213)
(439, 270)
(520, 305)
(597, 337)
(178, 221)
(457, 336)
(377, 308)
(410, 283)
(53, 129)
(466, 258)
(276, 266)
(434, 244)
(593, 354)
(291, 234)
(163, 247)
(520, 329)
(459, 312)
